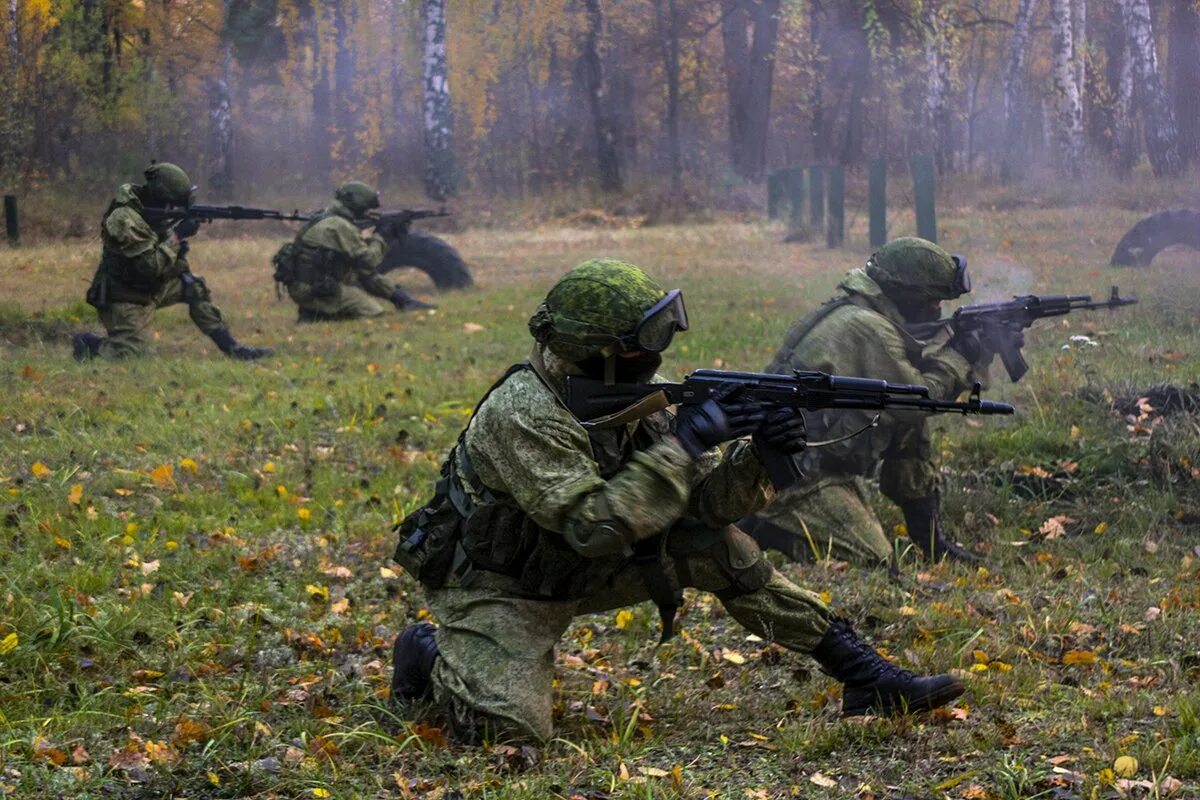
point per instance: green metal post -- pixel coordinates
(877, 191)
(922, 170)
(835, 227)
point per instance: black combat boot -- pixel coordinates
(308, 315)
(86, 346)
(923, 518)
(403, 301)
(235, 349)
(413, 655)
(874, 685)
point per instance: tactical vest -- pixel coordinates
(120, 279)
(468, 526)
(321, 269)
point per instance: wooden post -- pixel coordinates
(11, 222)
(794, 185)
(878, 202)
(816, 196)
(776, 192)
(835, 227)
(922, 171)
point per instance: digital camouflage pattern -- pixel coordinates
(357, 196)
(602, 297)
(336, 268)
(140, 271)
(591, 498)
(915, 266)
(169, 184)
(861, 335)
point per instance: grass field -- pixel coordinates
(196, 597)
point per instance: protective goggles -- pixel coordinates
(658, 325)
(962, 281)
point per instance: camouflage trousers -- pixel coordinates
(126, 323)
(495, 667)
(350, 302)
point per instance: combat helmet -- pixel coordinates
(357, 197)
(918, 269)
(168, 184)
(605, 306)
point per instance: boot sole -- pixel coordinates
(913, 706)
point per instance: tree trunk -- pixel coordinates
(667, 20)
(1162, 137)
(1015, 103)
(344, 92)
(1080, 42)
(1183, 74)
(1068, 126)
(608, 160)
(14, 39)
(936, 119)
(220, 130)
(440, 177)
(322, 108)
(749, 31)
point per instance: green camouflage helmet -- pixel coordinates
(169, 184)
(919, 269)
(357, 197)
(594, 307)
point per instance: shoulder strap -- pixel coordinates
(801, 328)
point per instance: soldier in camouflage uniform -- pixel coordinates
(538, 520)
(331, 270)
(144, 267)
(860, 332)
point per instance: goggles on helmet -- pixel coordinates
(658, 325)
(962, 280)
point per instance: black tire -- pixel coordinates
(1155, 233)
(433, 256)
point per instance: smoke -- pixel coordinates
(999, 279)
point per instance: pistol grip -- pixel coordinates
(1010, 356)
(781, 467)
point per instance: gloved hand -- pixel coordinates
(969, 344)
(718, 419)
(186, 228)
(391, 229)
(783, 431)
(184, 247)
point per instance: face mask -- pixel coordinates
(924, 311)
(638, 369)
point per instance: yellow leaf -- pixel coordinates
(281, 490)
(980, 657)
(1105, 776)
(317, 592)
(65, 544)
(624, 617)
(189, 466)
(1080, 657)
(40, 471)
(304, 514)
(214, 779)
(907, 611)
(163, 474)
(823, 781)
(826, 598)
(733, 657)
(1125, 766)
(268, 467)
(424, 614)
(131, 528)
(1000, 666)
(1160, 711)
(340, 606)
(9, 643)
(319, 792)
(977, 668)
(387, 572)
(1075, 432)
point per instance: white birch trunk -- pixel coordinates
(937, 86)
(1015, 110)
(1067, 104)
(14, 39)
(1079, 38)
(1162, 136)
(439, 117)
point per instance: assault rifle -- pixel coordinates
(599, 405)
(395, 224)
(1000, 324)
(205, 213)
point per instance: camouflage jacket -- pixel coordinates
(860, 333)
(560, 508)
(332, 251)
(137, 259)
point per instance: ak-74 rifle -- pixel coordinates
(1000, 324)
(596, 404)
(203, 213)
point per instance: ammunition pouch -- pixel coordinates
(284, 262)
(429, 537)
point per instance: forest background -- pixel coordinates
(683, 103)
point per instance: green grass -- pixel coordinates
(220, 628)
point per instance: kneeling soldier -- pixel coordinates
(144, 268)
(538, 519)
(331, 269)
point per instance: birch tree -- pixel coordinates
(220, 122)
(936, 119)
(1162, 137)
(1015, 103)
(1183, 68)
(1068, 106)
(440, 176)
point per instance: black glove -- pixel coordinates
(968, 344)
(184, 247)
(186, 228)
(391, 229)
(718, 419)
(783, 431)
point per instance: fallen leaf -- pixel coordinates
(472, 327)
(163, 475)
(823, 781)
(1080, 657)
(733, 657)
(1125, 766)
(150, 567)
(189, 466)
(40, 471)
(75, 495)
(624, 617)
